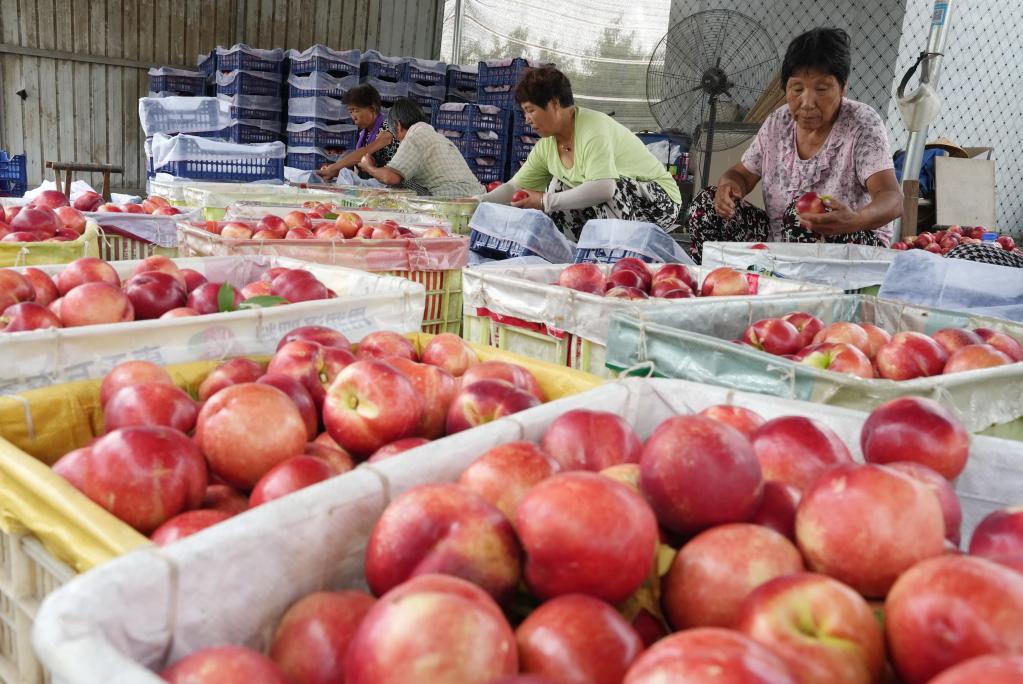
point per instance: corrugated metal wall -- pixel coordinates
(82, 64)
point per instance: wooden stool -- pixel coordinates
(70, 167)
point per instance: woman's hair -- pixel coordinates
(543, 84)
(407, 112)
(365, 96)
(822, 49)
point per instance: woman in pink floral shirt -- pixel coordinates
(819, 141)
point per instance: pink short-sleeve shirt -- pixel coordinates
(855, 150)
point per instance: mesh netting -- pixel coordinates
(605, 47)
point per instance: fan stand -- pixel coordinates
(715, 83)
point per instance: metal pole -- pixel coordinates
(930, 70)
(456, 47)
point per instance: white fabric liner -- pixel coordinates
(919, 277)
(647, 239)
(232, 582)
(847, 267)
(526, 292)
(529, 228)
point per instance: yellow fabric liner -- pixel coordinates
(39, 426)
(18, 254)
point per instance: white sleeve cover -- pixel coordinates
(589, 194)
(502, 194)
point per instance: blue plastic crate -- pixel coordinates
(320, 58)
(248, 83)
(177, 81)
(256, 132)
(308, 161)
(389, 92)
(208, 64)
(469, 117)
(320, 85)
(461, 78)
(483, 144)
(242, 57)
(426, 72)
(459, 96)
(606, 256)
(427, 96)
(520, 149)
(232, 170)
(497, 81)
(321, 135)
(495, 248)
(520, 126)
(487, 169)
(375, 65)
(269, 110)
(13, 175)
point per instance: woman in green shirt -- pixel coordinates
(586, 165)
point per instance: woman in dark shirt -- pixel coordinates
(375, 135)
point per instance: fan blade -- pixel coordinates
(677, 116)
(683, 56)
(723, 36)
(731, 75)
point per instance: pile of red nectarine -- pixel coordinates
(259, 431)
(47, 218)
(555, 561)
(867, 351)
(631, 278)
(89, 291)
(944, 241)
(309, 225)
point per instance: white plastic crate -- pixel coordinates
(142, 611)
(28, 574)
(528, 315)
(182, 114)
(365, 302)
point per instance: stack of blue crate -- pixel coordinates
(496, 86)
(319, 127)
(480, 132)
(250, 81)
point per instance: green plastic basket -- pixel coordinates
(457, 211)
(443, 311)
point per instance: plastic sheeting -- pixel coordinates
(847, 267)
(365, 303)
(633, 236)
(257, 210)
(326, 108)
(350, 57)
(694, 343)
(222, 195)
(159, 230)
(153, 607)
(918, 277)
(530, 228)
(272, 55)
(378, 256)
(167, 149)
(527, 293)
(319, 80)
(184, 114)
